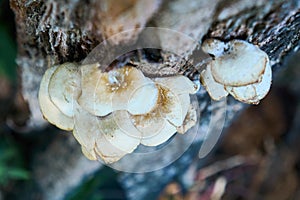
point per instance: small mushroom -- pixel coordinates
(64, 87)
(49, 110)
(179, 89)
(120, 89)
(171, 110)
(215, 90)
(255, 92)
(242, 64)
(242, 69)
(117, 141)
(109, 138)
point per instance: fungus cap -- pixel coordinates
(104, 135)
(178, 84)
(242, 64)
(103, 93)
(166, 132)
(114, 142)
(64, 87)
(147, 93)
(255, 92)
(215, 90)
(49, 110)
(175, 91)
(171, 110)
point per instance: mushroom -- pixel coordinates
(215, 90)
(256, 91)
(121, 89)
(155, 126)
(239, 68)
(111, 113)
(180, 87)
(147, 93)
(64, 87)
(171, 109)
(108, 138)
(49, 110)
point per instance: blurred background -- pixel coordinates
(258, 156)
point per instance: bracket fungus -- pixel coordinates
(238, 68)
(120, 89)
(49, 109)
(64, 87)
(113, 112)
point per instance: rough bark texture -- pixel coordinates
(52, 32)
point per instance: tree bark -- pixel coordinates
(52, 32)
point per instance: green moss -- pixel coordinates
(7, 54)
(11, 162)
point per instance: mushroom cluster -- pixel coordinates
(238, 68)
(113, 112)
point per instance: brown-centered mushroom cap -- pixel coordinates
(177, 90)
(161, 123)
(105, 92)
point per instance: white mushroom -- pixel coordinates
(255, 92)
(244, 93)
(49, 110)
(166, 132)
(178, 84)
(147, 93)
(171, 110)
(242, 69)
(120, 89)
(108, 138)
(215, 90)
(177, 90)
(117, 110)
(241, 64)
(64, 87)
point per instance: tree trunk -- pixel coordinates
(53, 32)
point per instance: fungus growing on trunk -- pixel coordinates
(238, 68)
(111, 113)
